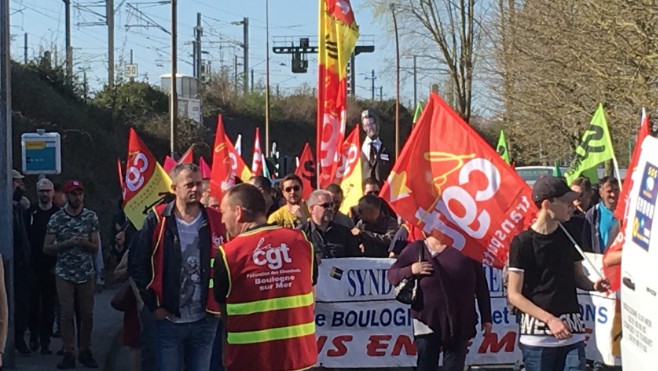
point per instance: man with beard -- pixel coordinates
(170, 262)
(374, 156)
(294, 212)
(72, 235)
(44, 292)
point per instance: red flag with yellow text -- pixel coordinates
(306, 171)
(227, 165)
(145, 181)
(613, 274)
(450, 183)
(348, 174)
(337, 35)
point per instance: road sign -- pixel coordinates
(131, 70)
(41, 153)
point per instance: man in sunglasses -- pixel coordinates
(294, 212)
(330, 240)
(375, 159)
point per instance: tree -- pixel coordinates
(445, 31)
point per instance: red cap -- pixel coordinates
(72, 185)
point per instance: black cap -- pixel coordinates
(552, 187)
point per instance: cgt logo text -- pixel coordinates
(273, 256)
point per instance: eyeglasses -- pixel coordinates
(327, 205)
(293, 188)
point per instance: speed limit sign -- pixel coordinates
(131, 70)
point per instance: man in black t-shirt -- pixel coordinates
(544, 272)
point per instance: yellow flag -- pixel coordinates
(348, 173)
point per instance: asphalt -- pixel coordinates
(106, 340)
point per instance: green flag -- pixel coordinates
(419, 110)
(594, 149)
(501, 148)
(556, 170)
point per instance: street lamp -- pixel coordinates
(397, 83)
(267, 78)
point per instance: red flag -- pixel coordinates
(144, 183)
(613, 274)
(306, 171)
(338, 33)
(120, 174)
(454, 186)
(227, 165)
(257, 161)
(169, 164)
(205, 169)
(188, 156)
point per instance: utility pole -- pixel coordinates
(69, 50)
(252, 80)
(372, 84)
(198, 32)
(267, 78)
(132, 79)
(415, 84)
(109, 17)
(381, 93)
(245, 50)
(397, 83)
(6, 189)
(85, 90)
(173, 107)
(25, 48)
(235, 73)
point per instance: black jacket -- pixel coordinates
(336, 242)
(140, 267)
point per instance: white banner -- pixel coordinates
(360, 324)
(639, 262)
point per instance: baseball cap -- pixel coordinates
(15, 174)
(72, 185)
(552, 187)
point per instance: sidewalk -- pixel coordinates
(105, 343)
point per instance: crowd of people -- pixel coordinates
(215, 284)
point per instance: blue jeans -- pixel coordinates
(216, 361)
(566, 358)
(185, 345)
(428, 348)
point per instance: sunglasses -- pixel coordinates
(293, 188)
(327, 205)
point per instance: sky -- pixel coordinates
(44, 22)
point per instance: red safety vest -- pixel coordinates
(270, 305)
(217, 234)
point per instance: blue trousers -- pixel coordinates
(566, 358)
(185, 345)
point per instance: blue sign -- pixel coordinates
(645, 207)
(41, 153)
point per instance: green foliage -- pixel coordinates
(132, 101)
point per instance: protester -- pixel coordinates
(601, 226)
(295, 211)
(375, 159)
(22, 264)
(371, 187)
(407, 234)
(170, 262)
(265, 187)
(445, 320)
(42, 300)
(131, 334)
(4, 312)
(331, 240)
(544, 271)
(59, 199)
(73, 236)
(264, 277)
(375, 229)
(582, 186)
(338, 197)
(121, 232)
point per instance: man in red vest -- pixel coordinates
(170, 262)
(264, 278)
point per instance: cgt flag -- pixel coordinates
(613, 274)
(595, 148)
(348, 173)
(227, 165)
(186, 158)
(337, 35)
(146, 181)
(501, 148)
(452, 185)
(257, 157)
(306, 171)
